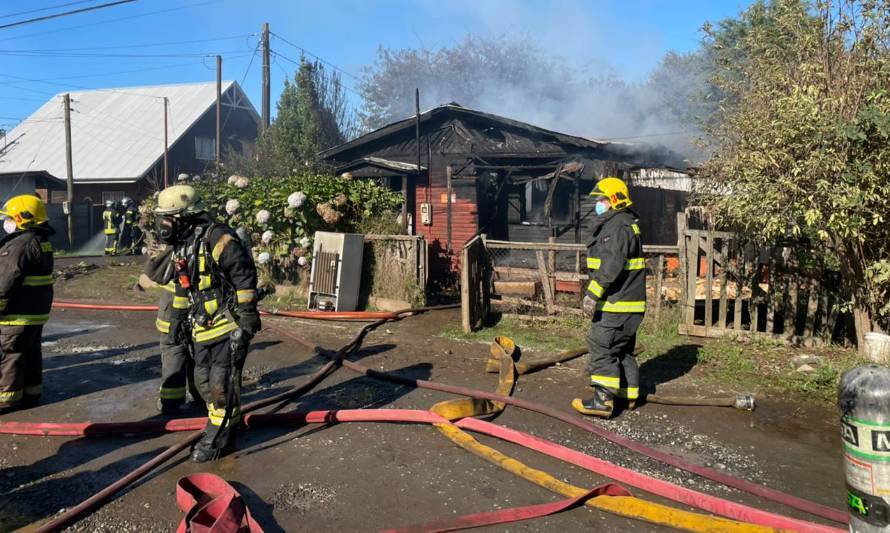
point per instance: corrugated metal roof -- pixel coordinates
(117, 135)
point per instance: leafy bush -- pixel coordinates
(283, 214)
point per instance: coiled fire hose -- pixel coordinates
(95, 429)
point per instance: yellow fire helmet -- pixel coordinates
(26, 210)
(179, 200)
(615, 190)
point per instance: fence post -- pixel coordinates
(659, 280)
(691, 275)
(724, 281)
(544, 271)
(465, 303)
(740, 273)
(709, 282)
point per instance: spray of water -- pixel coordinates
(95, 246)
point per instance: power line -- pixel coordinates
(319, 58)
(297, 63)
(65, 14)
(108, 21)
(28, 53)
(141, 45)
(103, 74)
(66, 4)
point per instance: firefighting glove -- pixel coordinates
(589, 304)
(250, 321)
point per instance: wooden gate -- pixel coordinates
(734, 288)
(475, 290)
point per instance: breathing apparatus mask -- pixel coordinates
(172, 229)
(9, 226)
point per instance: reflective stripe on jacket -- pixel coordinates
(26, 278)
(617, 269)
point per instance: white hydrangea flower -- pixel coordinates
(232, 206)
(233, 178)
(296, 199)
(263, 258)
(262, 216)
(267, 236)
(302, 261)
(305, 242)
(241, 182)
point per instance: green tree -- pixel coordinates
(800, 144)
(313, 114)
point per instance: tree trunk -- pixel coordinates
(853, 280)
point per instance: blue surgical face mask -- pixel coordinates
(601, 207)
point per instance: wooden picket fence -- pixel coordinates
(739, 289)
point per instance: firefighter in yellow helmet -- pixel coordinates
(111, 219)
(26, 296)
(615, 298)
(216, 289)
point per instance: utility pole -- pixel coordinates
(166, 147)
(218, 111)
(266, 95)
(70, 165)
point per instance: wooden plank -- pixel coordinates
(659, 281)
(771, 295)
(789, 328)
(709, 279)
(546, 282)
(755, 292)
(682, 256)
(739, 272)
(512, 301)
(813, 293)
(527, 289)
(714, 333)
(723, 281)
(570, 247)
(551, 255)
(465, 304)
(691, 274)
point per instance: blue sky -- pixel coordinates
(627, 37)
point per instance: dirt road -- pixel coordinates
(105, 366)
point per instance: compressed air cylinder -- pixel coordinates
(864, 401)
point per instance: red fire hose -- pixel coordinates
(771, 494)
(706, 502)
(363, 316)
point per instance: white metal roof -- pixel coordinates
(117, 135)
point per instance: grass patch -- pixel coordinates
(760, 366)
(287, 298)
(557, 334)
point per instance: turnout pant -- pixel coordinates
(110, 243)
(177, 373)
(217, 385)
(21, 365)
(612, 365)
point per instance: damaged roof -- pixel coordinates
(454, 129)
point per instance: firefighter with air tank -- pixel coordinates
(26, 296)
(129, 235)
(615, 299)
(110, 226)
(215, 283)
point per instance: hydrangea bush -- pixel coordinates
(283, 214)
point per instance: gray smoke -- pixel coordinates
(516, 78)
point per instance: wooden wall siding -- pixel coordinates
(464, 220)
(736, 289)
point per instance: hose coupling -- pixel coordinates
(744, 402)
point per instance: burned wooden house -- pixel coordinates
(469, 172)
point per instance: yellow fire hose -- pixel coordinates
(503, 351)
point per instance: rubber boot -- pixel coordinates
(206, 450)
(171, 407)
(601, 404)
